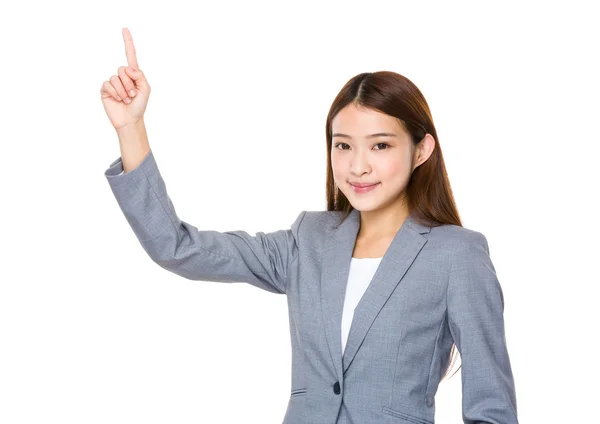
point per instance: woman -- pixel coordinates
(381, 287)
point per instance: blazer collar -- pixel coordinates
(337, 255)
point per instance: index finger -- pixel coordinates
(130, 49)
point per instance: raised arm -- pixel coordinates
(475, 314)
(233, 256)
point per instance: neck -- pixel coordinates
(381, 223)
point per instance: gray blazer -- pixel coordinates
(434, 286)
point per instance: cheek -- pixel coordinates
(396, 174)
(387, 168)
(394, 168)
(337, 165)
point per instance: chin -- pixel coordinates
(367, 209)
(365, 206)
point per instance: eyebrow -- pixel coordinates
(369, 136)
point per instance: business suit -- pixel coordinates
(434, 285)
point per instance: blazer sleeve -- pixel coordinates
(476, 322)
(262, 260)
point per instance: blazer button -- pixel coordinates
(336, 388)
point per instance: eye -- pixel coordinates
(385, 144)
(378, 144)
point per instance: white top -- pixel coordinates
(359, 278)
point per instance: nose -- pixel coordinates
(359, 164)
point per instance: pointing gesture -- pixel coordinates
(130, 50)
(125, 95)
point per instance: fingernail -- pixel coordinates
(127, 100)
(132, 93)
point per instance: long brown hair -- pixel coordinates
(428, 194)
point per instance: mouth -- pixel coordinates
(363, 189)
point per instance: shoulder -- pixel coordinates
(452, 238)
(461, 241)
(470, 264)
(314, 223)
(472, 275)
(321, 220)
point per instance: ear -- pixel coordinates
(423, 150)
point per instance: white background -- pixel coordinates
(92, 331)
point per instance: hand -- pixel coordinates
(114, 92)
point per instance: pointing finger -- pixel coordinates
(130, 49)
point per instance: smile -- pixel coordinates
(364, 189)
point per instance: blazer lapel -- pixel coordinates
(337, 255)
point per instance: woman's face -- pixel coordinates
(384, 160)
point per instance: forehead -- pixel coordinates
(360, 121)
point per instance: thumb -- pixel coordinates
(138, 76)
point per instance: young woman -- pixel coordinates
(381, 287)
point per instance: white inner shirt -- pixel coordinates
(359, 278)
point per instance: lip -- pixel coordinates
(363, 184)
(363, 189)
